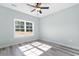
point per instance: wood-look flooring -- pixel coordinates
(56, 50)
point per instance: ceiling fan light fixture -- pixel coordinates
(38, 9)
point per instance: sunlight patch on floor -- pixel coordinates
(34, 52)
(44, 47)
(34, 48)
(36, 43)
(25, 47)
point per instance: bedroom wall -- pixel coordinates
(7, 17)
(62, 27)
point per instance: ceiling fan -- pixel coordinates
(37, 7)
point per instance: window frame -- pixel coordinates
(22, 35)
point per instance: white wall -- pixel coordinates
(7, 17)
(62, 28)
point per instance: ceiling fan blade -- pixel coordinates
(40, 11)
(33, 10)
(44, 7)
(31, 5)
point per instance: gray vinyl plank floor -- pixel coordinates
(55, 50)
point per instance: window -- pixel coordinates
(19, 26)
(28, 27)
(22, 27)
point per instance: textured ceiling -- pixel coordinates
(53, 8)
